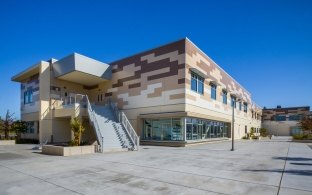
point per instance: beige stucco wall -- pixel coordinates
(34, 116)
(45, 114)
(61, 130)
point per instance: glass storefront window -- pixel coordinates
(147, 130)
(189, 131)
(205, 129)
(177, 131)
(173, 129)
(162, 129)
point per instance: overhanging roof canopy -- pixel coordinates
(26, 74)
(81, 69)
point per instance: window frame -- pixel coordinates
(213, 91)
(245, 107)
(233, 101)
(197, 83)
(28, 96)
(224, 97)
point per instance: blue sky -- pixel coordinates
(265, 45)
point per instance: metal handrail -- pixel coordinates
(122, 118)
(71, 100)
(95, 123)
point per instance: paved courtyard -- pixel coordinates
(255, 167)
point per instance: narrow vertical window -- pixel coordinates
(28, 97)
(224, 96)
(240, 105)
(213, 91)
(194, 82)
(200, 85)
(233, 101)
(245, 107)
(25, 97)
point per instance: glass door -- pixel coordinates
(195, 131)
(189, 131)
(166, 130)
(147, 130)
(201, 134)
(156, 133)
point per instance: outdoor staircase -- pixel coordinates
(114, 135)
(112, 128)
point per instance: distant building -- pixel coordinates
(283, 121)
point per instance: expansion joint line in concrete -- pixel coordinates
(40, 179)
(280, 183)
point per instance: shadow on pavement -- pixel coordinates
(309, 164)
(292, 158)
(293, 172)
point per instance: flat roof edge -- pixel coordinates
(17, 77)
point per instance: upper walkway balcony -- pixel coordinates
(70, 106)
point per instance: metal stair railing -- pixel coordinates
(79, 99)
(122, 118)
(95, 124)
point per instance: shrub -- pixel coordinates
(78, 128)
(244, 137)
(263, 132)
(302, 137)
(251, 132)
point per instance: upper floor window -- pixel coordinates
(245, 107)
(233, 101)
(280, 118)
(240, 105)
(295, 117)
(197, 83)
(213, 91)
(224, 96)
(28, 97)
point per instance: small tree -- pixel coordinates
(77, 127)
(263, 132)
(252, 132)
(6, 124)
(306, 125)
(19, 127)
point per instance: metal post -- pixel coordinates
(138, 143)
(233, 125)
(102, 144)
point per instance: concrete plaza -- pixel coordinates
(255, 167)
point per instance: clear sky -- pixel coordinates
(265, 45)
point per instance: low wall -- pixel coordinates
(67, 151)
(7, 142)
